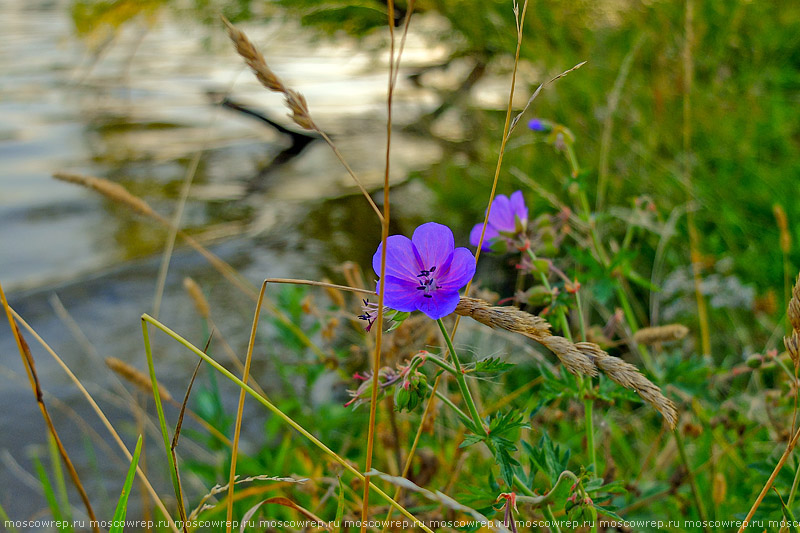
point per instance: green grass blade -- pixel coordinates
(122, 504)
(50, 496)
(339, 508)
(58, 474)
(7, 521)
(173, 468)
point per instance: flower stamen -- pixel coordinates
(427, 282)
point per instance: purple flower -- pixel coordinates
(425, 272)
(537, 124)
(508, 215)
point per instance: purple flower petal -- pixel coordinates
(536, 124)
(439, 305)
(461, 271)
(475, 236)
(401, 261)
(435, 245)
(501, 215)
(400, 294)
(518, 207)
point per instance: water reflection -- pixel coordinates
(133, 106)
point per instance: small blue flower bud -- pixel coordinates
(537, 124)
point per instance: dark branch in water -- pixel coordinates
(299, 140)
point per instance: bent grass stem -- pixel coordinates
(102, 416)
(240, 409)
(283, 416)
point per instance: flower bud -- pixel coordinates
(538, 295)
(537, 124)
(410, 392)
(754, 361)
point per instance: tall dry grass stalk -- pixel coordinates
(694, 237)
(792, 342)
(30, 368)
(240, 409)
(198, 298)
(101, 415)
(204, 310)
(113, 191)
(175, 223)
(120, 195)
(427, 413)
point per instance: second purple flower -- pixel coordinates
(508, 215)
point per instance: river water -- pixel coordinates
(137, 111)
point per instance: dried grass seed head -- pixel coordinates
(254, 59)
(136, 377)
(654, 335)
(112, 191)
(794, 305)
(197, 296)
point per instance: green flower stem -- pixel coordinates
(461, 414)
(587, 400)
(589, 424)
(462, 383)
(532, 499)
(523, 488)
(623, 298)
(440, 363)
(548, 513)
(701, 510)
(793, 492)
(581, 321)
(575, 169)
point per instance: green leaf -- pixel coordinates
(615, 487)
(492, 365)
(507, 464)
(549, 458)
(502, 423)
(593, 484)
(58, 474)
(50, 496)
(7, 521)
(471, 439)
(787, 514)
(397, 318)
(608, 512)
(122, 504)
(641, 281)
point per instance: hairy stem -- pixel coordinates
(462, 383)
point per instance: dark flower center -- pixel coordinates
(427, 282)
